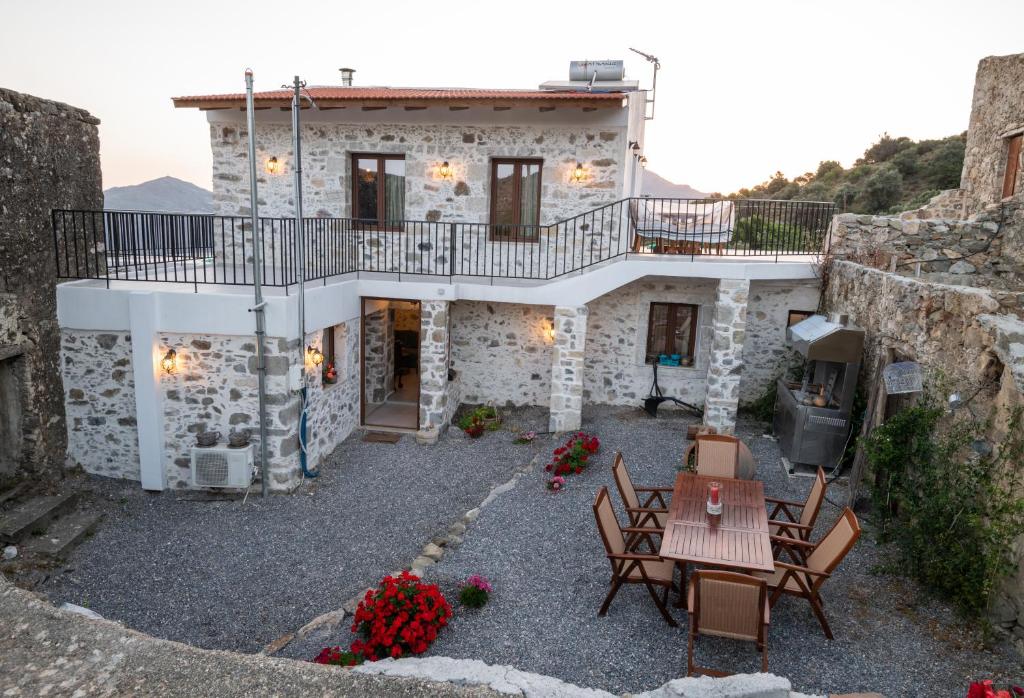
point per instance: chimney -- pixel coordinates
(346, 76)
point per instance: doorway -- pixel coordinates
(390, 351)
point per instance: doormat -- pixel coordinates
(384, 437)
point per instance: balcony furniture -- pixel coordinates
(674, 226)
(727, 604)
(716, 454)
(629, 567)
(652, 513)
(784, 522)
(812, 564)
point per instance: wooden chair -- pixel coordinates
(652, 513)
(784, 522)
(630, 567)
(813, 564)
(717, 455)
(727, 604)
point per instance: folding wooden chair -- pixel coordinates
(727, 604)
(784, 522)
(813, 564)
(653, 513)
(630, 567)
(717, 455)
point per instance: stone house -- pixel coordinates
(462, 246)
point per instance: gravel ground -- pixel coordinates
(225, 574)
(545, 559)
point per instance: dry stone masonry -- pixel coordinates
(726, 364)
(434, 391)
(567, 368)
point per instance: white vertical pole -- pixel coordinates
(143, 319)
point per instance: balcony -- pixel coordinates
(211, 250)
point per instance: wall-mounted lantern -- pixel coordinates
(549, 332)
(315, 355)
(273, 166)
(445, 170)
(643, 161)
(577, 172)
(169, 363)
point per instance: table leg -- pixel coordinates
(681, 601)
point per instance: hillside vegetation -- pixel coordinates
(895, 174)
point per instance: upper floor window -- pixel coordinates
(515, 198)
(1012, 164)
(672, 333)
(378, 188)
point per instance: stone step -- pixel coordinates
(63, 534)
(13, 492)
(33, 515)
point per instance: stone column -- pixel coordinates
(726, 365)
(433, 370)
(567, 368)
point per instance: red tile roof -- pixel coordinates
(403, 94)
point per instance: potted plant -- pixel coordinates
(475, 428)
(330, 373)
(475, 591)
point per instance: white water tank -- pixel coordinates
(606, 71)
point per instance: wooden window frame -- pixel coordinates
(362, 224)
(1014, 146)
(517, 195)
(791, 311)
(670, 329)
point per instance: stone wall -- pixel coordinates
(99, 398)
(333, 408)
(726, 363)
(567, 368)
(502, 352)
(435, 393)
(49, 158)
(379, 363)
(997, 109)
(960, 333)
(215, 388)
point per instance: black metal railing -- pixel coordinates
(209, 249)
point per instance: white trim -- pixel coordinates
(144, 312)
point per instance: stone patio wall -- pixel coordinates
(99, 398)
(567, 368)
(49, 159)
(726, 364)
(502, 352)
(434, 383)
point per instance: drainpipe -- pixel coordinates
(259, 306)
(300, 255)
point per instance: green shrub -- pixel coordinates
(950, 505)
(485, 413)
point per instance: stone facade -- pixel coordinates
(333, 408)
(511, 336)
(49, 158)
(379, 328)
(434, 383)
(567, 368)
(99, 400)
(996, 111)
(725, 367)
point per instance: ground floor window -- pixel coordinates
(796, 316)
(329, 343)
(672, 334)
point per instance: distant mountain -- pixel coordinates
(166, 194)
(657, 186)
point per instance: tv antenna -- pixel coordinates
(654, 81)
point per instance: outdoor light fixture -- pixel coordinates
(445, 170)
(315, 355)
(168, 362)
(643, 161)
(577, 173)
(550, 332)
(273, 166)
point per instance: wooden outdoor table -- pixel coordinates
(737, 539)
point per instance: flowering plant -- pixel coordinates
(401, 616)
(984, 689)
(526, 437)
(475, 591)
(572, 457)
(475, 429)
(556, 483)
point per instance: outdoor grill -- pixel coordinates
(812, 416)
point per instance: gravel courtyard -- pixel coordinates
(220, 573)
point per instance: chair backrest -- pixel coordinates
(717, 455)
(831, 549)
(813, 504)
(624, 483)
(608, 523)
(729, 604)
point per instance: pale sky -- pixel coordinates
(746, 88)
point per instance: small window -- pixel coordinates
(515, 198)
(378, 189)
(671, 334)
(1012, 165)
(330, 350)
(796, 316)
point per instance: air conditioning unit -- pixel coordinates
(220, 466)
